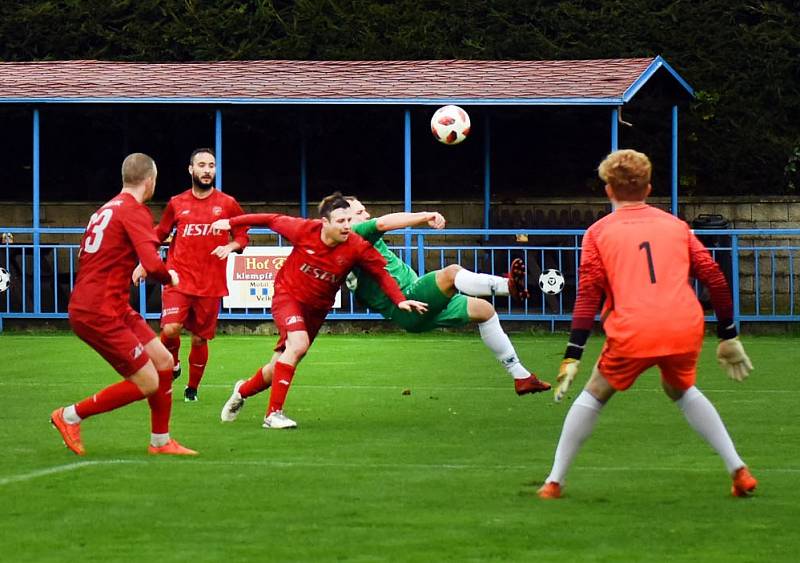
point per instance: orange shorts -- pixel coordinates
(197, 314)
(678, 370)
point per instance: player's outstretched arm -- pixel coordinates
(221, 225)
(411, 305)
(394, 221)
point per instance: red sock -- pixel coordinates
(110, 398)
(282, 379)
(198, 358)
(173, 345)
(161, 403)
(254, 385)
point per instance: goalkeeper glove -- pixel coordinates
(566, 374)
(733, 359)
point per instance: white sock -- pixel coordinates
(578, 425)
(478, 285)
(158, 440)
(71, 415)
(498, 342)
(704, 418)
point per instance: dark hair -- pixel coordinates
(334, 201)
(195, 152)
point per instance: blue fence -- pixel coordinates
(759, 263)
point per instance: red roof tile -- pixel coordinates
(321, 81)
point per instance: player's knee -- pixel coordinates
(172, 330)
(480, 310)
(198, 340)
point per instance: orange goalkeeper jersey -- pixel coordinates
(641, 258)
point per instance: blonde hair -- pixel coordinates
(136, 168)
(628, 173)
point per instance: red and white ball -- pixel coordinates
(450, 125)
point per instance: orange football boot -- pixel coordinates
(70, 433)
(549, 490)
(743, 483)
(170, 448)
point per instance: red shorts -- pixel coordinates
(120, 340)
(678, 370)
(290, 315)
(197, 314)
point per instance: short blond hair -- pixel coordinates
(628, 173)
(136, 168)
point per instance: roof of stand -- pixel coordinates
(582, 82)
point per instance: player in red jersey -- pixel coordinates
(323, 253)
(199, 256)
(119, 234)
(641, 258)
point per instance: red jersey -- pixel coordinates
(118, 235)
(642, 258)
(199, 271)
(313, 271)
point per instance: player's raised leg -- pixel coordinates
(484, 285)
(481, 312)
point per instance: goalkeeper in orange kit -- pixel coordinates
(641, 259)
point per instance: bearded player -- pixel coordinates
(199, 255)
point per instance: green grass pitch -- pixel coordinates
(447, 473)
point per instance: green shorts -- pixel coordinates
(443, 311)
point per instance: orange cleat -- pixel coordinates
(743, 483)
(70, 433)
(516, 281)
(549, 490)
(170, 448)
(530, 384)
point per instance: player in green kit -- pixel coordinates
(439, 289)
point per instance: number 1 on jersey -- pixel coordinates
(646, 246)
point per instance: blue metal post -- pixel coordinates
(675, 160)
(487, 175)
(735, 278)
(218, 146)
(407, 180)
(37, 256)
(303, 179)
(614, 129)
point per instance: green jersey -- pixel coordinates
(367, 290)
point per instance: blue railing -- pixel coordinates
(760, 264)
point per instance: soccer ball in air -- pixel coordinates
(5, 279)
(551, 282)
(450, 125)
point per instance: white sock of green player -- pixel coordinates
(498, 342)
(578, 425)
(704, 418)
(478, 285)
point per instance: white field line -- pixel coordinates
(62, 469)
(392, 466)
